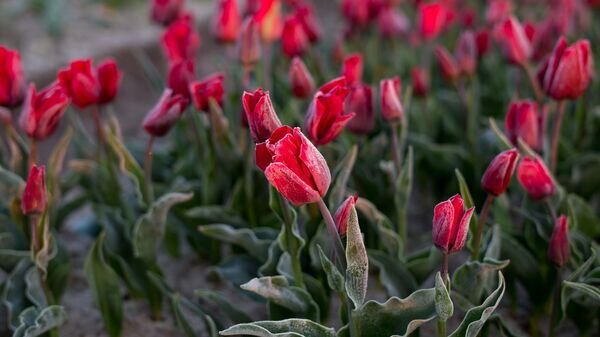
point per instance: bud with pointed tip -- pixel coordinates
(249, 49)
(109, 77)
(268, 17)
(181, 41)
(513, 41)
(451, 224)
(523, 120)
(34, 200)
(164, 12)
(294, 41)
(535, 178)
(302, 83)
(389, 96)
(165, 113)
(498, 174)
(181, 74)
(342, 214)
(466, 53)
(432, 19)
(420, 81)
(447, 65)
(353, 68)
(559, 251)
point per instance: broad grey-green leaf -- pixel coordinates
(35, 292)
(10, 183)
(423, 263)
(388, 237)
(584, 218)
(224, 305)
(473, 279)
(443, 303)
(273, 256)
(35, 322)
(149, 230)
(13, 295)
(393, 274)
(10, 257)
(476, 317)
(494, 248)
(335, 279)
(104, 283)
(342, 173)
(287, 328)
(211, 214)
(357, 270)
(243, 237)
(507, 327)
(572, 290)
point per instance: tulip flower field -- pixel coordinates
(360, 168)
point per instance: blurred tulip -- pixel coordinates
(511, 37)
(523, 120)
(294, 166)
(499, 172)
(325, 119)
(447, 65)
(420, 81)
(34, 199)
(181, 74)
(227, 22)
(249, 43)
(42, 111)
(431, 19)
(535, 178)
(498, 10)
(559, 250)
(165, 113)
(80, 82)
(268, 18)
(260, 114)
(109, 77)
(451, 224)
(356, 12)
(302, 83)
(392, 23)
(352, 69)
(466, 53)
(342, 215)
(12, 80)
(164, 12)
(209, 87)
(390, 101)
(360, 103)
(482, 41)
(294, 41)
(529, 29)
(181, 41)
(468, 18)
(305, 14)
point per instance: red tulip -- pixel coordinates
(513, 41)
(301, 80)
(209, 87)
(12, 81)
(449, 68)
(325, 119)
(268, 18)
(360, 103)
(353, 69)
(227, 22)
(249, 43)
(305, 14)
(294, 166)
(164, 12)
(451, 224)
(497, 11)
(261, 116)
(342, 215)
(523, 120)
(558, 250)
(568, 71)
(294, 41)
(468, 18)
(356, 12)
(181, 74)
(432, 19)
(389, 97)
(498, 174)
(42, 111)
(109, 77)
(80, 81)
(482, 41)
(466, 53)
(420, 81)
(165, 113)
(181, 41)
(392, 23)
(34, 200)
(535, 178)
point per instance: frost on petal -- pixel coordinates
(290, 185)
(442, 222)
(462, 230)
(315, 162)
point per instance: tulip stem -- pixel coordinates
(446, 280)
(396, 151)
(560, 112)
(99, 128)
(539, 95)
(148, 170)
(289, 237)
(480, 224)
(338, 248)
(33, 153)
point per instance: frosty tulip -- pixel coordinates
(451, 224)
(227, 22)
(499, 172)
(301, 80)
(260, 114)
(389, 97)
(535, 178)
(109, 77)
(342, 215)
(523, 120)
(43, 110)
(181, 41)
(209, 87)
(513, 41)
(165, 113)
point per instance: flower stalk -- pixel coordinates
(480, 225)
(560, 112)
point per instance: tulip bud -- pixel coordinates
(559, 251)
(389, 96)
(535, 178)
(513, 41)
(497, 11)
(294, 166)
(356, 12)
(181, 74)
(301, 80)
(451, 224)
(261, 116)
(209, 87)
(249, 43)
(466, 53)
(342, 215)
(353, 69)
(447, 65)
(432, 19)
(392, 23)
(268, 18)
(498, 174)
(165, 113)
(568, 71)
(42, 111)
(80, 82)
(34, 200)
(109, 77)
(420, 81)
(12, 81)
(165, 11)
(294, 41)
(523, 120)
(360, 102)
(227, 22)
(306, 16)
(181, 41)
(482, 41)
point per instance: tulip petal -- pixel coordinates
(292, 187)
(443, 215)
(461, 231)
(314, 160)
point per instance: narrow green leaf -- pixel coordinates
(35, 292)
(342, 174)
(10, 183)
(393, 274)
(443, 304)
(505, 144)
(357, 270)
(385, 230)
(215, 214)
(466, 195)
(403, 188)
(572, 290)
(55, 163)
(287, 328)
(335, 279)
(243, 237)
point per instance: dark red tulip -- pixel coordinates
(34, 200)
(482, 41)
(181, 74)
(181, 41)
(511, 37)
(42, 111)
(499, 172)
(249, 43)
(356, 12)
(558, 250)
(360, 103)
(342, 215)
(352, 69)
(165, 113)
(12, 80)
(466, 53)
(209, 87)
(432, 19)
(164, 12)
(420, 81)
(305, 14)
(227, 22)
(109, 77)
(451, 224)
(260, 114)
(268, 18)
(80, 81)
(468, 18)
(568, 71)
(392, 23)
(294, 166)
(498, 10)
(446, 63)
(529, 28)
(535, 178)
(302, 83)
(523, 121)
(325, 119)
(389, 99)
(294, 41)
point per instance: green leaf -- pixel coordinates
(215, 214)
(474, 279)
(10, 183)
(388, 237)
(403, 188)
(583, 218)
(466, 195)
(423, 263)
(476, 317)
(357, 270)
(225, 305)
(393, 274)
(507, 327)
(35, 322)
(578, 290)
(335, 279)
(243, 237)
(342, 173)
(505, 144)
(55, 163)
(35, 292)
(443, 304)
(149, 230)
(13, 292)
(104, 283)
(287, 328)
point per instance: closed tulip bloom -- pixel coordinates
(447, 65)
(498, 174)
(523, 120)
(80, 81)
(511, 37)
(34, 200)
(12, 80)
(356, 12)
(268, 17)
(325, 119)
(342, 215)
(181, 74)
(302, 83)
(482, 41)
(535, 178)
(165, 113)
(164, 12)
(389, 97)
(42, 111)
(568, 71)
(294, 166)
(227, 22)
(420, 81)
(209, 87)
(392, 23)
(466, 53)
(558, 250)
(431, 20)
(181, 41)
(352, 69)
(249, 43)
(261, 116)
(498, 10)
(294, 41)
(360, 103)
(305, 14)
(451, 224)
(109, 77)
